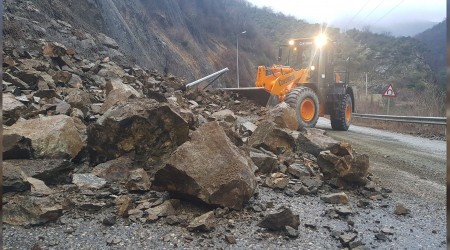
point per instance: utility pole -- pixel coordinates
(237, 56)
(366, 83)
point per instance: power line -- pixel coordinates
(357, 13)
(387, 13)
(376, 7)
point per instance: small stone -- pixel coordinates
(291, 232)
(152, 218)
(387, 231)
(204, 222)
(336, 198)
(346, 238)
(343, 210)
(401, 210)
(88, 181)
(124, 203)
(109, 221)
(381, 236)
(230, 239)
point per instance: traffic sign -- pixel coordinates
(389, 91)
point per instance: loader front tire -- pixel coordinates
(342, 116)
(306, 104)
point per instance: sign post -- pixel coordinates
(389, 92)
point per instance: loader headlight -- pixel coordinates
(313, 68)
(320, 40)
(291, 42)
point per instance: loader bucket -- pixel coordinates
(256, 94)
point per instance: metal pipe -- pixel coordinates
(206, 77)
(410, 119)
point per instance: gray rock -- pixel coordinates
(335, 198)
(210, 168)
(279, 220)
(16, 81)
(75, 82)
(272, 138)
(55, 171)
(31, 211)
(343, 210)
(298, 170)
(314, 141)
(284, 116)
(107, 41)
(291, 232)
(51, 137)
(16, 147)
(63, 108)
(88, 181)
(346, 238)
(230, 239)
(203, 223)
(224, 115)
(248, 127)
(12, 109)
(265, 162)
(138, 180)
(144, 127)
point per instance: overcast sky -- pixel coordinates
(348, 14)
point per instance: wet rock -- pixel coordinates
(51, 137)
(12, 109)
(16, 147)
(116, 170)
(14, 178)
(277, 180)
(265, 162)
(39, 187)
(314, 141)
(51, 171)
(291, 232)
(400, 209)
(31, 211)
(138, 180)
(203, 223)
(88, 181)
(298, 170)
(144, 127)
(54, 49)
(167, 208)
(350, 166)
(123, 204)
(272, 138)
(224, 115)
(210, 168)
(335, 198)
(284, 116)
(279, 220)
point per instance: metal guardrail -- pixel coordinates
(410, 119)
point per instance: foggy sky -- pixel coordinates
(344, 14)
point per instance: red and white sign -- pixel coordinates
(389, 92)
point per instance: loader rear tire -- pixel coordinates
(342, 116)
(306, 104)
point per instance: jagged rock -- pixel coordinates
(167, 208)
(265, 162)
(55, 171)
(16, 147)
(39, 187)
(210, 168)
(79, 99)
(107, 41)
(16, 81)
(116, 170)
(231, 239)
(343, 210)
(63, 108)
(51, 137)
(298, 170)
(346, 238)
(34, 64)
(33, 77)
(279, 220)
(349, 166)
(14, 178)
(284, 116)
(314, 141)
(143, 126)
(291, 232)
(12, 109)
(62, 77)
(88, 181)
(336, 198)
(31, 211)
(270, 137)
(224, 115)
(277, 180)
(401, 210)
(114, 97)
(46, 93)
(248, 127)
(117, 83)
(123, 204)
(177, 219)
(75, 82)
(203, 223)
(138, 180)
(54, 49)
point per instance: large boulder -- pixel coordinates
(209, 167)
(273, 138)
(31, 211)
(145, 127)
(284, 116)
(12, 109)
(314, 141)
(51, 171)
(51, 137)
(343, 163)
